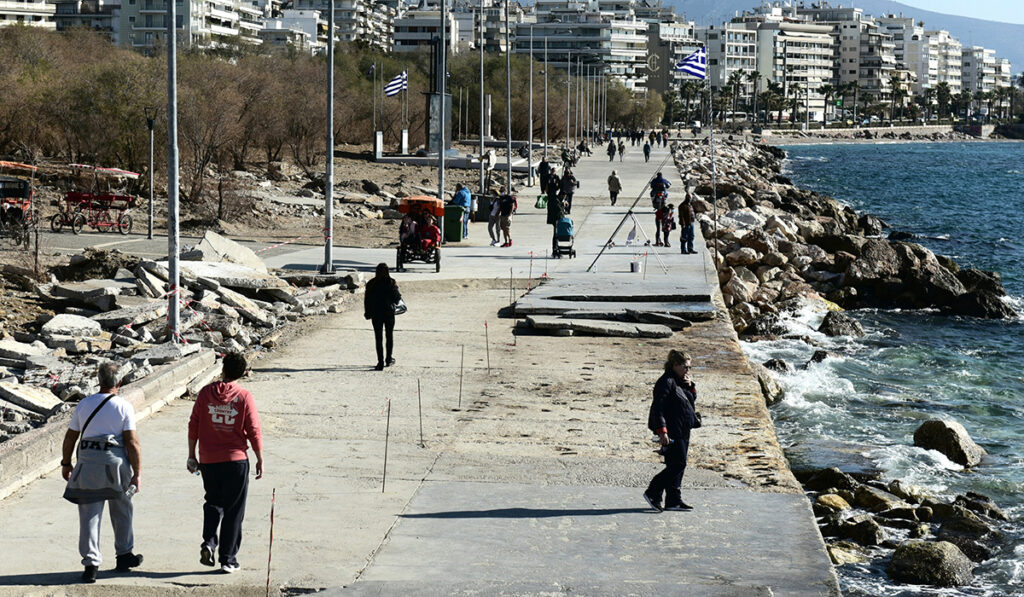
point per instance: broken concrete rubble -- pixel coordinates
(71, 325)
(599, 327)
(215, 247)
(32, 398)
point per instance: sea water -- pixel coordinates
(964, 200)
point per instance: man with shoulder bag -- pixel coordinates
(108, 468)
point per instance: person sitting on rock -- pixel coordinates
(430, 237)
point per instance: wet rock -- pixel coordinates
(983, 304)
(951, 439)
(818, 357)
(765, 326)
(778, 365)
(925, 513)
(972, 535)
(830, 478)
(770, 389)
(837, 323)
(901, 513)
(876, 500)
(863, 529)
(908, 493)
(976, 279)
(829, 503)
(870, 225)
(938, 563)
(898, 235)
(846, 552)
(980, 504)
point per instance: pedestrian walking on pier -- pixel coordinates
(622, 150)
(614, 186)
(647, 152)
(379, 302)
(672, 416)
(568, 186)
(508, 205)
(544, 171)
(224, 424)
(494, 220)
(108, 469)
(556, 211)
(611, 151)
(686, 219)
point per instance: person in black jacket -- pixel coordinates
(672, 416)
(378, 306)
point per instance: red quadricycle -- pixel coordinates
(97, 198)
(17, 214)
(419, 236)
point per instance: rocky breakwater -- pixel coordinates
(778, 247)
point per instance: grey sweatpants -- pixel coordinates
(89, 518)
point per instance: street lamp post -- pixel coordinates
(328, 265)
(482, 176)
(173, 314)
(508, 104)
(150, 112)
(545, 96)
(529, 142)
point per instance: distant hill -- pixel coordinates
(1004, 38)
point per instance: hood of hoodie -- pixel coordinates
(222, 392)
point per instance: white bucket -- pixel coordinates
(636, 267)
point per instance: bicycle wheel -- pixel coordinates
(57, 222)
(77, 223)
(124, 224)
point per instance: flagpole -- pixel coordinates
(568, 102)
(441, 108)
(545, 96)
(529, 142)
(328, 265)
(508, 104)
(482, 108)
(711, 144)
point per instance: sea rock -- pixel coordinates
(770, 389)
(846, 552)
(818, 357)
(940, 564)
(778, 365)
(863, 529)
(980, 504)
(876, 262)
(759, 241)
(972, 535)
(900, 513)
(870, 225)
(830, 478)
(983, 304)
(71, 325)
(767, 325)
(908, 493)
(951, 439)
(837, 323)
(976, 279)
(830, 503)
(742, 256)
(876, 500)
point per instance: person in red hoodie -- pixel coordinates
(224, 423)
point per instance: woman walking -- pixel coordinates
(379, 307)
(671, 417)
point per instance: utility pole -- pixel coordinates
(529, 142)
(508, 102)
(441, 109)
(328, 265)
(173, 315)
(482, 174)
(545, 96)
(568, 102)
(150, 122)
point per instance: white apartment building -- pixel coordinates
(797, 56)
(1004, 73)
(31, 13)
(415, 29)
(89, 14)
(732, 47)
(357, 20)
(613, 45)
(950, 60)
(200, 23)
(978, 69)
(305, 30)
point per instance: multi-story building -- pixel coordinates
(1004, 73)
(30, 13)
(732, 47)
(304, 30)
(668, 43)
(611, 41)
(89, 14)
(949, 55)
(364, 21)
(978, 69)
(200, 23)
(799, 57)
(416, 29)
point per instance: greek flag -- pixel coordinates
(398, 84)
(695, 64)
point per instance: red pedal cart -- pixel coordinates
(97, 200)
(17, 215)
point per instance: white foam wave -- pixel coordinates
(914, 465)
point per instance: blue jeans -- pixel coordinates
(686, 238)
(465, 223)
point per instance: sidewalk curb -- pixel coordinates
(35, 453)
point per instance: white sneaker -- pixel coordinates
(229, 568)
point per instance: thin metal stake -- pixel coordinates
(462, 364)
(419, 399)
(487, 345)
(270, 549)
(387, 435)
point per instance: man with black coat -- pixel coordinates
(671, 417)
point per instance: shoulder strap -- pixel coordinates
(89, 420)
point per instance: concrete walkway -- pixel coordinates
(528, 475)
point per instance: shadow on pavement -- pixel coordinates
(529, 513)
(75, 577)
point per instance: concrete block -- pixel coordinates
(71, 325)
(19, 351)
(285, 295)
(599, 327)
(81, 291)
(233, 275)
(78, 344)
(247, 308)
(149, 283)
(218, 248)
(38, 400)
(166, 353)
(134, 316)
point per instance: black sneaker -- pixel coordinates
(89, 575)
(680, 507)
(206, 556)
(379, 367)
(656, 504)
(126, 562)
(389, 362)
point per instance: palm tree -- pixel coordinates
(962, 101)
(854, 86)
(929, 101)
(735, 81)
(897, 93)
(943, 94)
(754, 77)
(772, 96)
(828, 91)
(796, 90)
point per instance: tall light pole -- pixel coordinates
(482, 174)
(150, 123)
(568, 98)
(508, 103)
(545, 95)
(529, 142)
(441, 109)
(328, 265)
(173, 315)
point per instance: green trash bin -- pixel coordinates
(453, 223)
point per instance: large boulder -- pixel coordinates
(829, 503)
(876, 499)
(846, 552)
(981, 504)
(770, 389)
(976, 279)
(830, 478)
(951, 439)
(877, 261)
(759, 241)
(941, 564)
(742, 256)
(984, 304)
(863, 529)
(870, 225)
(837, 323)
(971, 534)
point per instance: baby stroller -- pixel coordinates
(564, 235)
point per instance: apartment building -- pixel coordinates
(364, 21)
(668, 43)
(200, 23)
(304, 30)
(415, 30)
(799, 57)
(607, 37)
(978, 69)
(89, 14)
(30, 13)
(949, 54)
(732, 47)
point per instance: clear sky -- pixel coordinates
(1007, 11)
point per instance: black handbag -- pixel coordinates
(399, 307)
